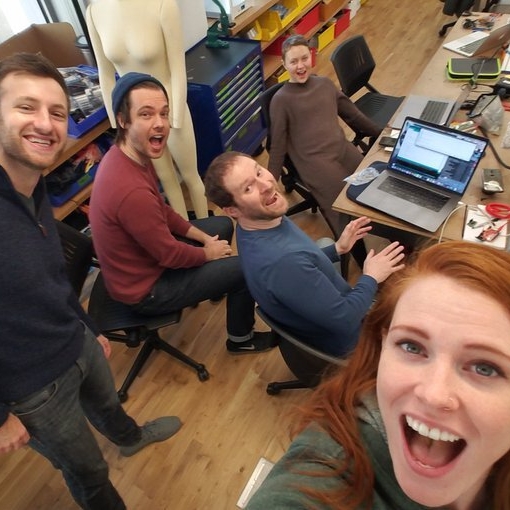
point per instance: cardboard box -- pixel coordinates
(57, 42)
(328, 8)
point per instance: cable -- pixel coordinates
(498, 210)
(460, 206)
(491, 145)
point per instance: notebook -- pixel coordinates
(478, 43)
(428, 172)
(429, 109)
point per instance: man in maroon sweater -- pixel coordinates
(152, 258)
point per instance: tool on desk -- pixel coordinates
(478, 43)
(492, 181)
(458, 68)
(427, 174)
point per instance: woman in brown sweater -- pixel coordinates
(304, 124)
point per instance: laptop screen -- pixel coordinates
(438, 155)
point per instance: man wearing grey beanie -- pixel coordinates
(151, 258)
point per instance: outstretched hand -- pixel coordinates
(354, 231)
(381, 265)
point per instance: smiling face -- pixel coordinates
(148, 129)
(258, 201)
(443, 387)
(298, 62)
(33, 121)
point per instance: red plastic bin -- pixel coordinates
(307, 22)
(343, 21)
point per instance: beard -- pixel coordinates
(13, 150)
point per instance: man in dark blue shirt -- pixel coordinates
(290, 277)
(54, 374)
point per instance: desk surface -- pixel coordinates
(433, 82)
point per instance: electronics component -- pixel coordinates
(492, 180)
(387, 141)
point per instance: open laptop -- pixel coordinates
(435, 110)
(428, 172)
(478, 42)
(429, 109)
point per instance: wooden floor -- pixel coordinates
(229, 421)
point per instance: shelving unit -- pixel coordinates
(271, 63)
(72, 147)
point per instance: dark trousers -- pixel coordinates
(179, 288)
(57, 417)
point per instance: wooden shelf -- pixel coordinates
(251, 14)
(271, 63)
(73, 146)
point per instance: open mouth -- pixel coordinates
(157, 141)
(431, 447)
(272, 200)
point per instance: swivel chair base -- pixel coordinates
(151, 343)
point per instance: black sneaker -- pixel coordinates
(260, 342)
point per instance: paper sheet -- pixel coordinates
(476, 221)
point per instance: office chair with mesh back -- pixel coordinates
(115, 320)
(454, 8)
(458, 7)
(78, 254)
(290, 178)
(354, 65)
(306, 363)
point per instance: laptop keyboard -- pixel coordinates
(414, 194)
(472, 46)
(433, 111)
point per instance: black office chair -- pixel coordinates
(454, 8)
(458, 7)
(290, 177)
(115, 320)
(354, 66)
(78, 253)
(306, 363)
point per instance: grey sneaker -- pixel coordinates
(153, 431)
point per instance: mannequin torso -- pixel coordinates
(145, 36)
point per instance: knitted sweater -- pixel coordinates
(134, 229)
(315, 451)
(41, 332)
(296, 284)
(305, 125)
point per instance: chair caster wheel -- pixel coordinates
(123, 396)
(272, 389)
(203, 374)
(442, 32)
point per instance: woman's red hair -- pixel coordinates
(333, 404)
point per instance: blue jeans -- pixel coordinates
(56, 419)
(179, 288)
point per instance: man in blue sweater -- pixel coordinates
(290, 277)
(54, 375)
